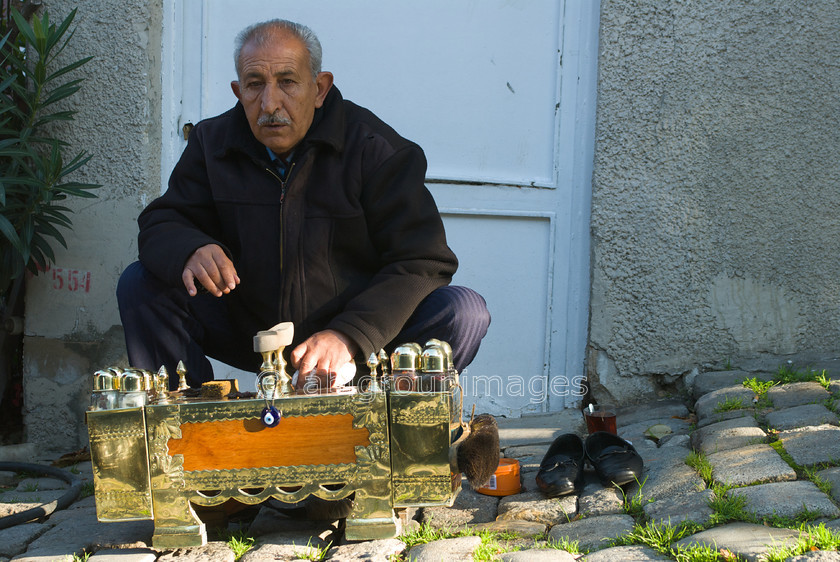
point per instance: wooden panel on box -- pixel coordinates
(296, 440)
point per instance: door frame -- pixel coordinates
(569, 262)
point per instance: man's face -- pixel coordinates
(278, 92)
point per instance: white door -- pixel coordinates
(501, 96)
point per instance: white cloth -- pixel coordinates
(344, 375)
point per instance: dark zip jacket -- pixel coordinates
(352, 240)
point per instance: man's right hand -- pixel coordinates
(213, 269)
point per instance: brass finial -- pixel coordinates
(181, 369)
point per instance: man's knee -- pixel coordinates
(465, 307)
(129, 283)
(138, 286)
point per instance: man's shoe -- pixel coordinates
(616, 461)
(561, 470)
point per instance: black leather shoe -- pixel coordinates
(616, 461)
(561, 470)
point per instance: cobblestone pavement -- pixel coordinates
(760, 466)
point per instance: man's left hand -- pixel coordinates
(322, 354)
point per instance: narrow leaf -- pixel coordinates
(8, 230)
(68, 68)
(62, 29)
(23, 27)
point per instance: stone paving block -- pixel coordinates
(286, 546)
(754, 464)
(367, 551)
(661, 409)
(41, 484)
(686, 507)
(708, 403)
(19, 452)
(537, 555)
(704, 383)
(528, 478)
(744, 539)
(726, 435)
(786, 499)
(796, 394)
(832, 476)
(521, 528)
(798, 416)
(676, 480)
(88, 502)
(675, 441)
(15, 502)
(539, 429)
(533, 506)
(529, 456)
(635, 433)
(664, 457)
(593, 533)
(633, 553)
(812, 445)
(79, 530)
(138, 555)
(8, 478)
(14, 540)
(469, 508)
(460, 548)
(595, 499)
(47, 556)
(724, 416)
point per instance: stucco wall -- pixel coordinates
(715, 188)
(70, 331)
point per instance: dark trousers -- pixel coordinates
(164, 325)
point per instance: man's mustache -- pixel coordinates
(273, 119)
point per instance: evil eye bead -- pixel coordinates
(270, 416)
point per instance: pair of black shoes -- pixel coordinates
(615, 460)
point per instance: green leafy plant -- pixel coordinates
(758, 386)
(34, 169)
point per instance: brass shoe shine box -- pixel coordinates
(386, 444)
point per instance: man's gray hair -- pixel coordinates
(262, 33)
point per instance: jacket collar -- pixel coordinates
(328, 128)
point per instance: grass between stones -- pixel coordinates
(660, 537)
(811, 539)
(786, 374)
(728, 508)
(493, 543)
(313, 553)
(239, 543)
(731, 403)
